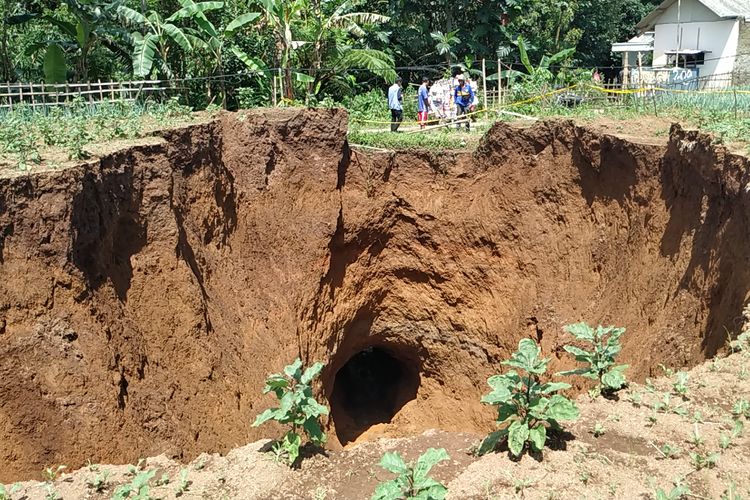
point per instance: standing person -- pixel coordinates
(423, 101)
(395, 102)
(463, 96)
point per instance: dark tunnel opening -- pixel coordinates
(369, 389)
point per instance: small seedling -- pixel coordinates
(741, 409)
(696, 439)
(725, 441)
(599, 430)
(7, 493)
(635, 398)
(669, 451)
(668, 372)
(679, 386)
(731, 492)
(697, 417)
(183, 484)
(679, 492)
(134, 469)
(651, 420)
(525, 406)
(741, 343)
(298, 409)
(99, 482)
(50, 492)
(600, 361)
(701, 461)
(51, 474)
(163, 480)
(585, 477)
(743, 374)
(413, 481)
(200, 464)
(137, 489)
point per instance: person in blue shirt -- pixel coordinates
(464, 98)
(423, 101)
(395, 103)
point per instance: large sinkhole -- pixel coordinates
(370, 388)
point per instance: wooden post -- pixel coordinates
(10, 97)
(101, 93)
(484, 82)
(44, 97)
(499, 81)
(273, 77)
(735, 103)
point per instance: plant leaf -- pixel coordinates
(561, 408)
(538, 436)
(427, 460)
(392, 462)
(311, 373)
(518, 433)
(55, 70)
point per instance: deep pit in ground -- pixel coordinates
(144, 297)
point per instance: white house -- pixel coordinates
(698, 43)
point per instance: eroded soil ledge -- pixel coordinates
(145, 297)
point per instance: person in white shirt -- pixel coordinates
(395, 103)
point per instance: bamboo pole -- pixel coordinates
(484, 82)
(499, 81)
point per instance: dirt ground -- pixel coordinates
(624, 461)
(146, 295)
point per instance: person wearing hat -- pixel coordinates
(463, 97)
(395, 103)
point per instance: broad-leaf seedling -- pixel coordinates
(526, 407)
(297, 409)
(413, 481)
(600, 360)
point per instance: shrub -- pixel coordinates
(297, 408)
(413, 481)
(600, 361)
(525, 406)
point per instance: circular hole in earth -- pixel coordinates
(369, 389)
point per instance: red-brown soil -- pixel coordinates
(145, 296)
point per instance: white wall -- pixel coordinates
(690, 11)
(718, 37)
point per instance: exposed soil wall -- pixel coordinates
(144, 297)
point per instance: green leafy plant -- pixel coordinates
(741, 343)
(680, 386)
(701, 461)
(6, 493)
(669, 451)
(99, 482)
(599, 430)
(50, 473)
(741, 408)
(600, 361)
(677, 493)
(183, 484)
(137, 489)
(413, 481)
(297, 408)
(526, 406)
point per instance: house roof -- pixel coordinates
(641, 43)
(726, 9)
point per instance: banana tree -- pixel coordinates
(283, 16)
(537, 78)
(213, 40)
(89, 26)
(154, 44)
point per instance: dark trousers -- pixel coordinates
(397, 116)
(461, 114)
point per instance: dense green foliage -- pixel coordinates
(413, 481)
(297, 409)
(600, 359)
(320, 47)
(526, 406)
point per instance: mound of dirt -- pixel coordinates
(144, 297)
